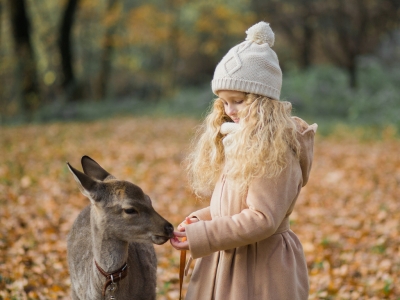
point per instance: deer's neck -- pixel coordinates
(109, 252)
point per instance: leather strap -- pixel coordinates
(114, 276)
(182, 270)
(182, 263)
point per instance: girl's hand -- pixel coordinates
(181, 227)
(182, 244)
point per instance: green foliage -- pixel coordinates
(188, 102)
(322, 93)
(191, 101)
(135, 49)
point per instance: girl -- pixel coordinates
(256, 158)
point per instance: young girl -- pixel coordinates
(255, 158)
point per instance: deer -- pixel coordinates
(110, 247)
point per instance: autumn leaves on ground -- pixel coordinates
(347, 217)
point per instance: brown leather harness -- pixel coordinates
(112, 277)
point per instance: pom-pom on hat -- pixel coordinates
(252, 66)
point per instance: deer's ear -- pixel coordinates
(86, 184)
(93, 169)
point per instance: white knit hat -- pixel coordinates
(252, 66)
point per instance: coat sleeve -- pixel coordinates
(202, 214)
(268, 202)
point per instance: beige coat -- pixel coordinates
(244, 245)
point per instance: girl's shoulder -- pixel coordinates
(305, 137)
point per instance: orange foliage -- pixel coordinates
(218, 22)
(149, 25)
(346, 217)
(113, 15)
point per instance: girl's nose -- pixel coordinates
(230, 110)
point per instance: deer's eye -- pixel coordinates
(131, 211)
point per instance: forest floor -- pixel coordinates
(347, 217)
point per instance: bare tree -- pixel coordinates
(349, 29)
(64, 43)
(296, 19)
(172, 53)
(108, 47)
(341, 30)
(20, 25)
(1, 16)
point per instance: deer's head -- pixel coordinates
(120, 208)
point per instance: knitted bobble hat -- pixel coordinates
(252, 66)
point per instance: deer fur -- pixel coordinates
(120, 225)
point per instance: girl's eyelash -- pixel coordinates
(236, 102)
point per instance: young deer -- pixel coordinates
(109, 246)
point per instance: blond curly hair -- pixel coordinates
(266, 133)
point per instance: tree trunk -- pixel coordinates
(68, 82)
(1, 17)
(108, 47)
(306, 53)
(26, 63)
(352, 71)
(171, 52)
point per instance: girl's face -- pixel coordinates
(234, 101)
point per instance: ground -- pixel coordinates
(346, 217)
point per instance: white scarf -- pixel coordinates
(228, 129)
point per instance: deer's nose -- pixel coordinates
(169, 229)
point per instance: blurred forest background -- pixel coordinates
(72, 59)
